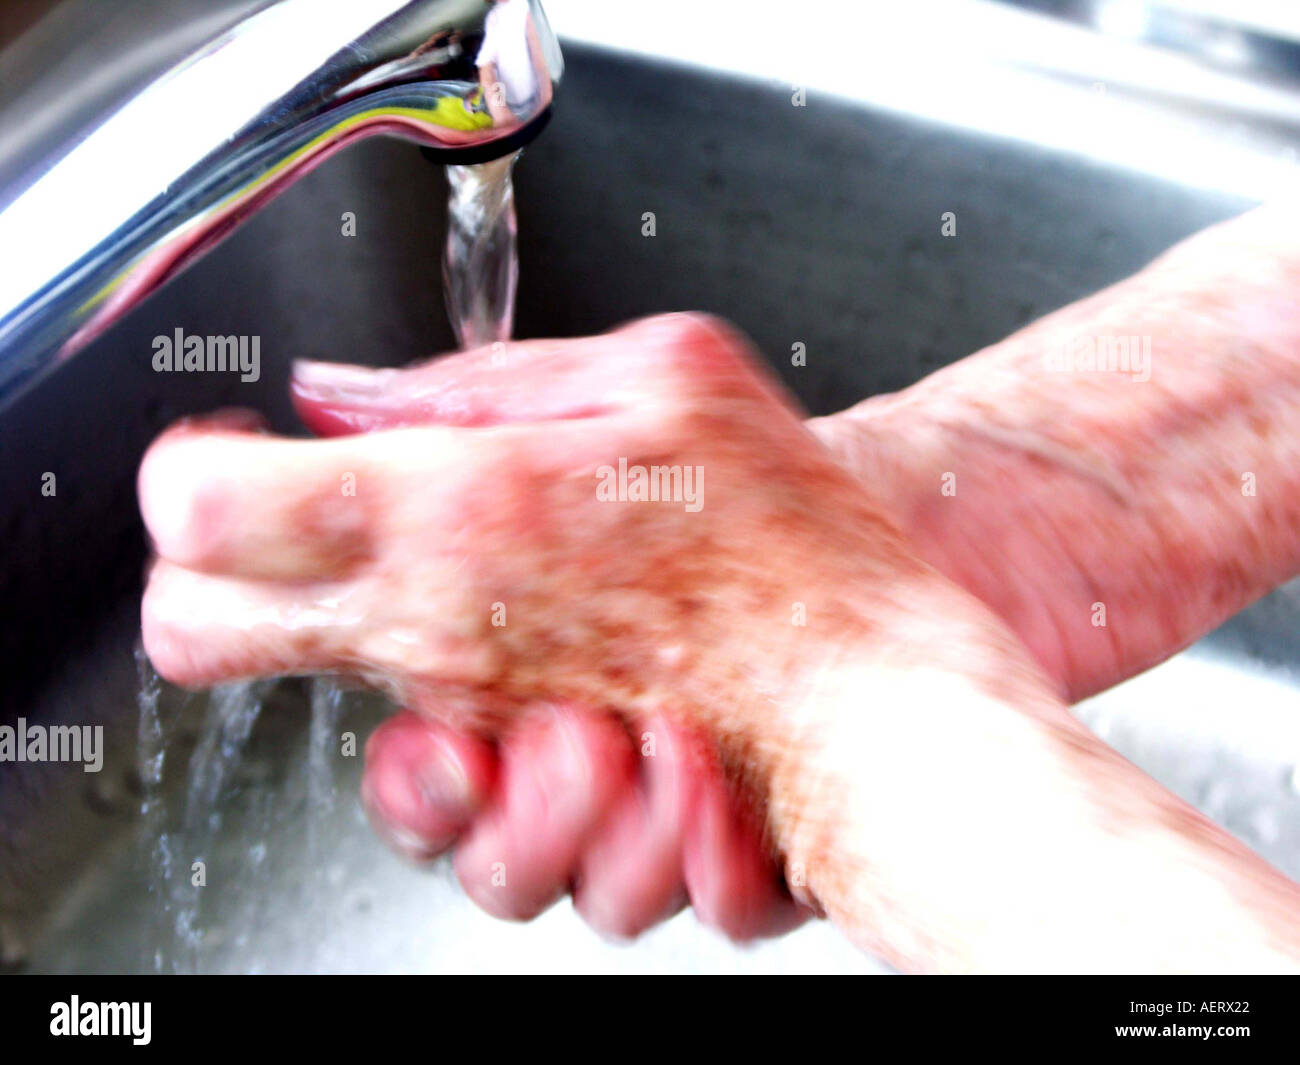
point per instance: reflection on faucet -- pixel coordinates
(508, 62)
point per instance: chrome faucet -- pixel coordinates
(106, 209)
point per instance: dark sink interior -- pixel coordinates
(818, 225)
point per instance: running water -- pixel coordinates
(233, 710)
(480, 274)
(160, 859)
(480, 268)
(326, 717)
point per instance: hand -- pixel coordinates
(569, 799)
(399, 582)
(653, 822)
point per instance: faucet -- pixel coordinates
(100, 205)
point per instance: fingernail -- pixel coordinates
(335, 382)
(445, 789)
(390, 828)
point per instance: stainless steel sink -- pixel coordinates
(817, 225)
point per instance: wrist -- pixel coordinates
(1000, 512)
(852, 751)
(947, 824)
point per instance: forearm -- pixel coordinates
(1169, 502)
(1017, 843)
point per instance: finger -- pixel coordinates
(248, 505)
(630, 872)
(424, 782)
(487, 386)
(732, 882)
(560, 773)
(523, 381)
(200, 630)
(421, 501)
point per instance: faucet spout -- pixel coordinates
(137, 194)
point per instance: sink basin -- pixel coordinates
(816, 225)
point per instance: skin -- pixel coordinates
(905, 756)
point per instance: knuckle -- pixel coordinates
(180, 510)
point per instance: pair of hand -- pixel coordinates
(578, 670)
(769, 690)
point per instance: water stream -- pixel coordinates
(157, 842)
(480, 268)
(322, 747)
